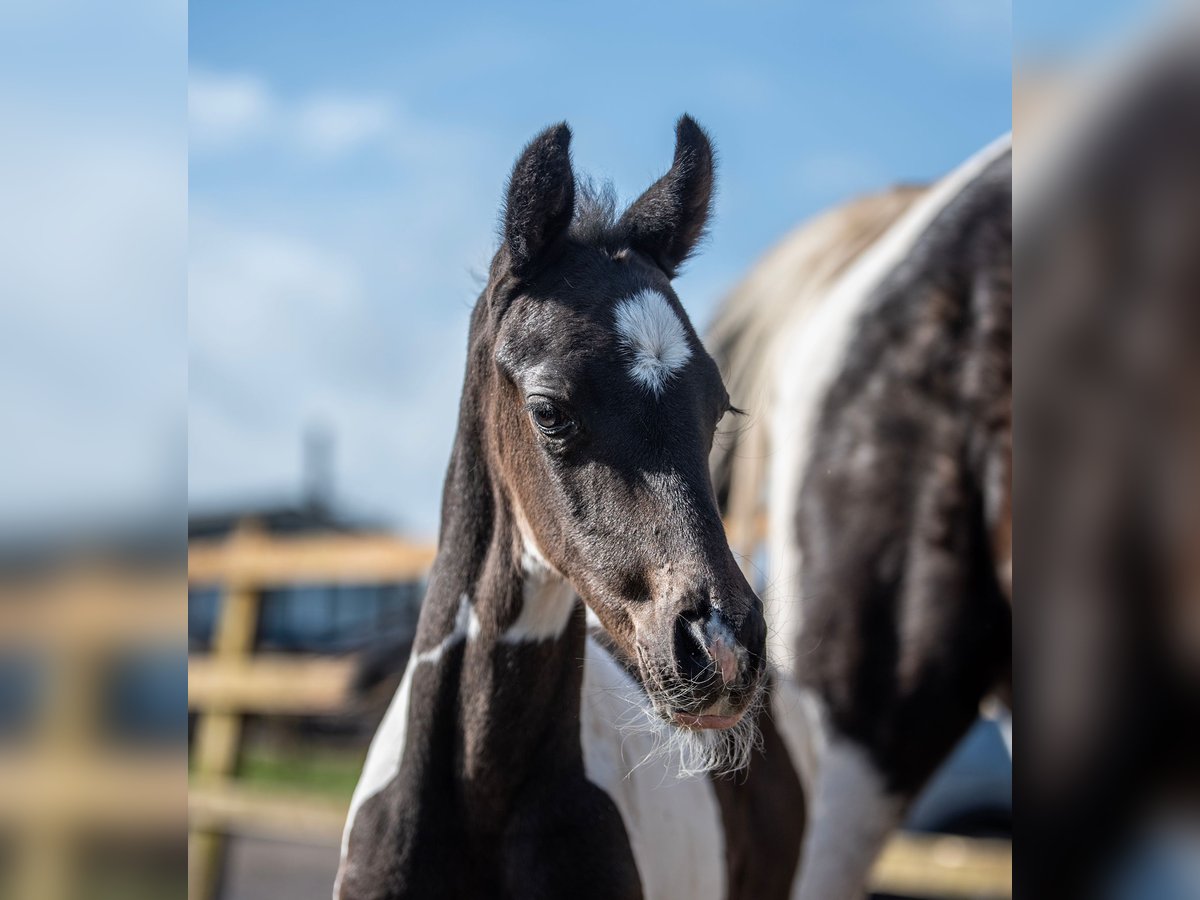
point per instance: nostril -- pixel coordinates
(723, 649)
(690, 647)
(707, 648)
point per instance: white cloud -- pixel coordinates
(227, 110)
(241, 280)
(92, 250)
(308, 308)
(264, 312)
(836, 176)
(334, 125)
(230, 112)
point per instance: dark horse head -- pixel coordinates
(599, 410)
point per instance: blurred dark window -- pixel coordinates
(320, 618)
(144, 697)
(203, 604)
(22, 682)
(335, 618)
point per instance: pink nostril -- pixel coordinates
(724, 658)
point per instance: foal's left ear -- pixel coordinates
(668, 220)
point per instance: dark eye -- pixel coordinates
(550, 419)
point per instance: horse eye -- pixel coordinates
(549, 419)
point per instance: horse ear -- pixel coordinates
(667, 222)
(541, 198)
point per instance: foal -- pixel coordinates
(580, 471)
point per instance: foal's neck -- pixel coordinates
(522, 629)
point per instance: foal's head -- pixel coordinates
(599, 418)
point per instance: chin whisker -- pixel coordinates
(693, 753)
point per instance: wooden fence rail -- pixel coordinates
(232, 681)
(62, 784)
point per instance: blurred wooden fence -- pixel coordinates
(233, 681)
(63, 785)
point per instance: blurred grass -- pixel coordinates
(327, 773)
(128, 886)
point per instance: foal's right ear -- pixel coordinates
(541, 198)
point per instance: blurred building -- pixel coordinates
(93, 680)
(306, 616)
(299, 617)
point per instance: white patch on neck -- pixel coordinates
(652, 332)
(547, 602)
(387, 747)
(466, 627)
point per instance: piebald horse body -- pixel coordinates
(527, 752)
(873, 354)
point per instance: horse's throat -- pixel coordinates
(522, 680)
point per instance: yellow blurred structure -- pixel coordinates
(63, 786)
(232, 681)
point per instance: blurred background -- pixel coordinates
(240, 247)
(93, 493)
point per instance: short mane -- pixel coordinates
(596, 218)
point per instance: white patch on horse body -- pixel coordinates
(533, 560)
(852, 815)
(674, 824)
(850, 811)
(655, 337)
(387, 747)
(1005, 726)
(994, 709)
(816, 355)
(382, 765)
(796, 712)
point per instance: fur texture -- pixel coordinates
(654, 338)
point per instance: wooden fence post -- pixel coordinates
(219, 731)
(63, 785)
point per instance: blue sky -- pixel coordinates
(1065, 28)
(93, 259)
(347, 163)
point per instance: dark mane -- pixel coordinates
(596, 219)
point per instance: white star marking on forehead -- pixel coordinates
(655, 337)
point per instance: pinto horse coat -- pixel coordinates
(873, 354)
